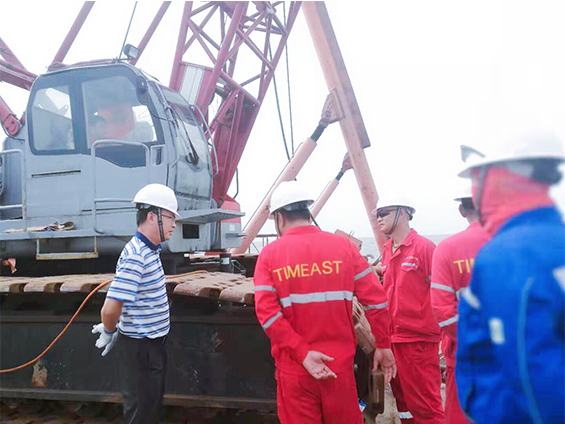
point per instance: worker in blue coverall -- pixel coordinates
(511, 356)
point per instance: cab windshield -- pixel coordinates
(190, 143)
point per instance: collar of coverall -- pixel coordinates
(406, 242)
(301, 230)
(475, 225)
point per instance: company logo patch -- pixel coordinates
(559, 274)
(496, 327)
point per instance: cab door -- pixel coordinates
(54, 166)
(124, 143)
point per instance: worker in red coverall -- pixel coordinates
(451, 273)
(415, 334)
(304, 285)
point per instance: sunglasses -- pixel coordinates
(384, 212)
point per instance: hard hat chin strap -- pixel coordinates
(480, 193)
(395, 223)
(277, 224)
(160, 220)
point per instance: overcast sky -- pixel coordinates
(428, 77)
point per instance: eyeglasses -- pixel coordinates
(168, 216)
(384, 212)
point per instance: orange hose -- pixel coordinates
(33, 361)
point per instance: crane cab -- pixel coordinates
(93, 136)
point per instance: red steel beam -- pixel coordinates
(200, 29)
(8, 120)
(174, 83)
(206, 96)
(231, 126)
(199, 36)
(9, 56)
(244, 38)
(15, 75)
(73, 32)
(151, 30)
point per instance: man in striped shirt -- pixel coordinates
(304, 286)
(136, 310)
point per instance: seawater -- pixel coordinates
(368, 248)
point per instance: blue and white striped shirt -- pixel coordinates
(140, 283)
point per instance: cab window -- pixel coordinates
(52, 123)
(113, 112)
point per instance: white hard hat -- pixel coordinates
(395, 201)
(535, 144)
(464, 191)
(157, 195)
(288, 193)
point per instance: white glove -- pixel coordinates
(106, 339)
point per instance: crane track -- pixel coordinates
(24, 411)
(57, 412)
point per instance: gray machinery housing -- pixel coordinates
(93, 136)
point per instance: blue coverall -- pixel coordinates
(511, 356)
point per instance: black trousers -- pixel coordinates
(142, 375)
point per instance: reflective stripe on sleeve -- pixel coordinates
(362, 274)
(449, 321)
(265, 288)
(442, 287)
(379, 306)
(285, 302)
(458, 293)
(405, 415)
(271, 320)
(316, 297)
(471, 299)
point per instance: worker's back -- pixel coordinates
(314, 274)
(516, 307)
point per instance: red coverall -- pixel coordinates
(451, 272)
(304, 285)
(415, 333)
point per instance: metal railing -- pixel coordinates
(22, 205)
